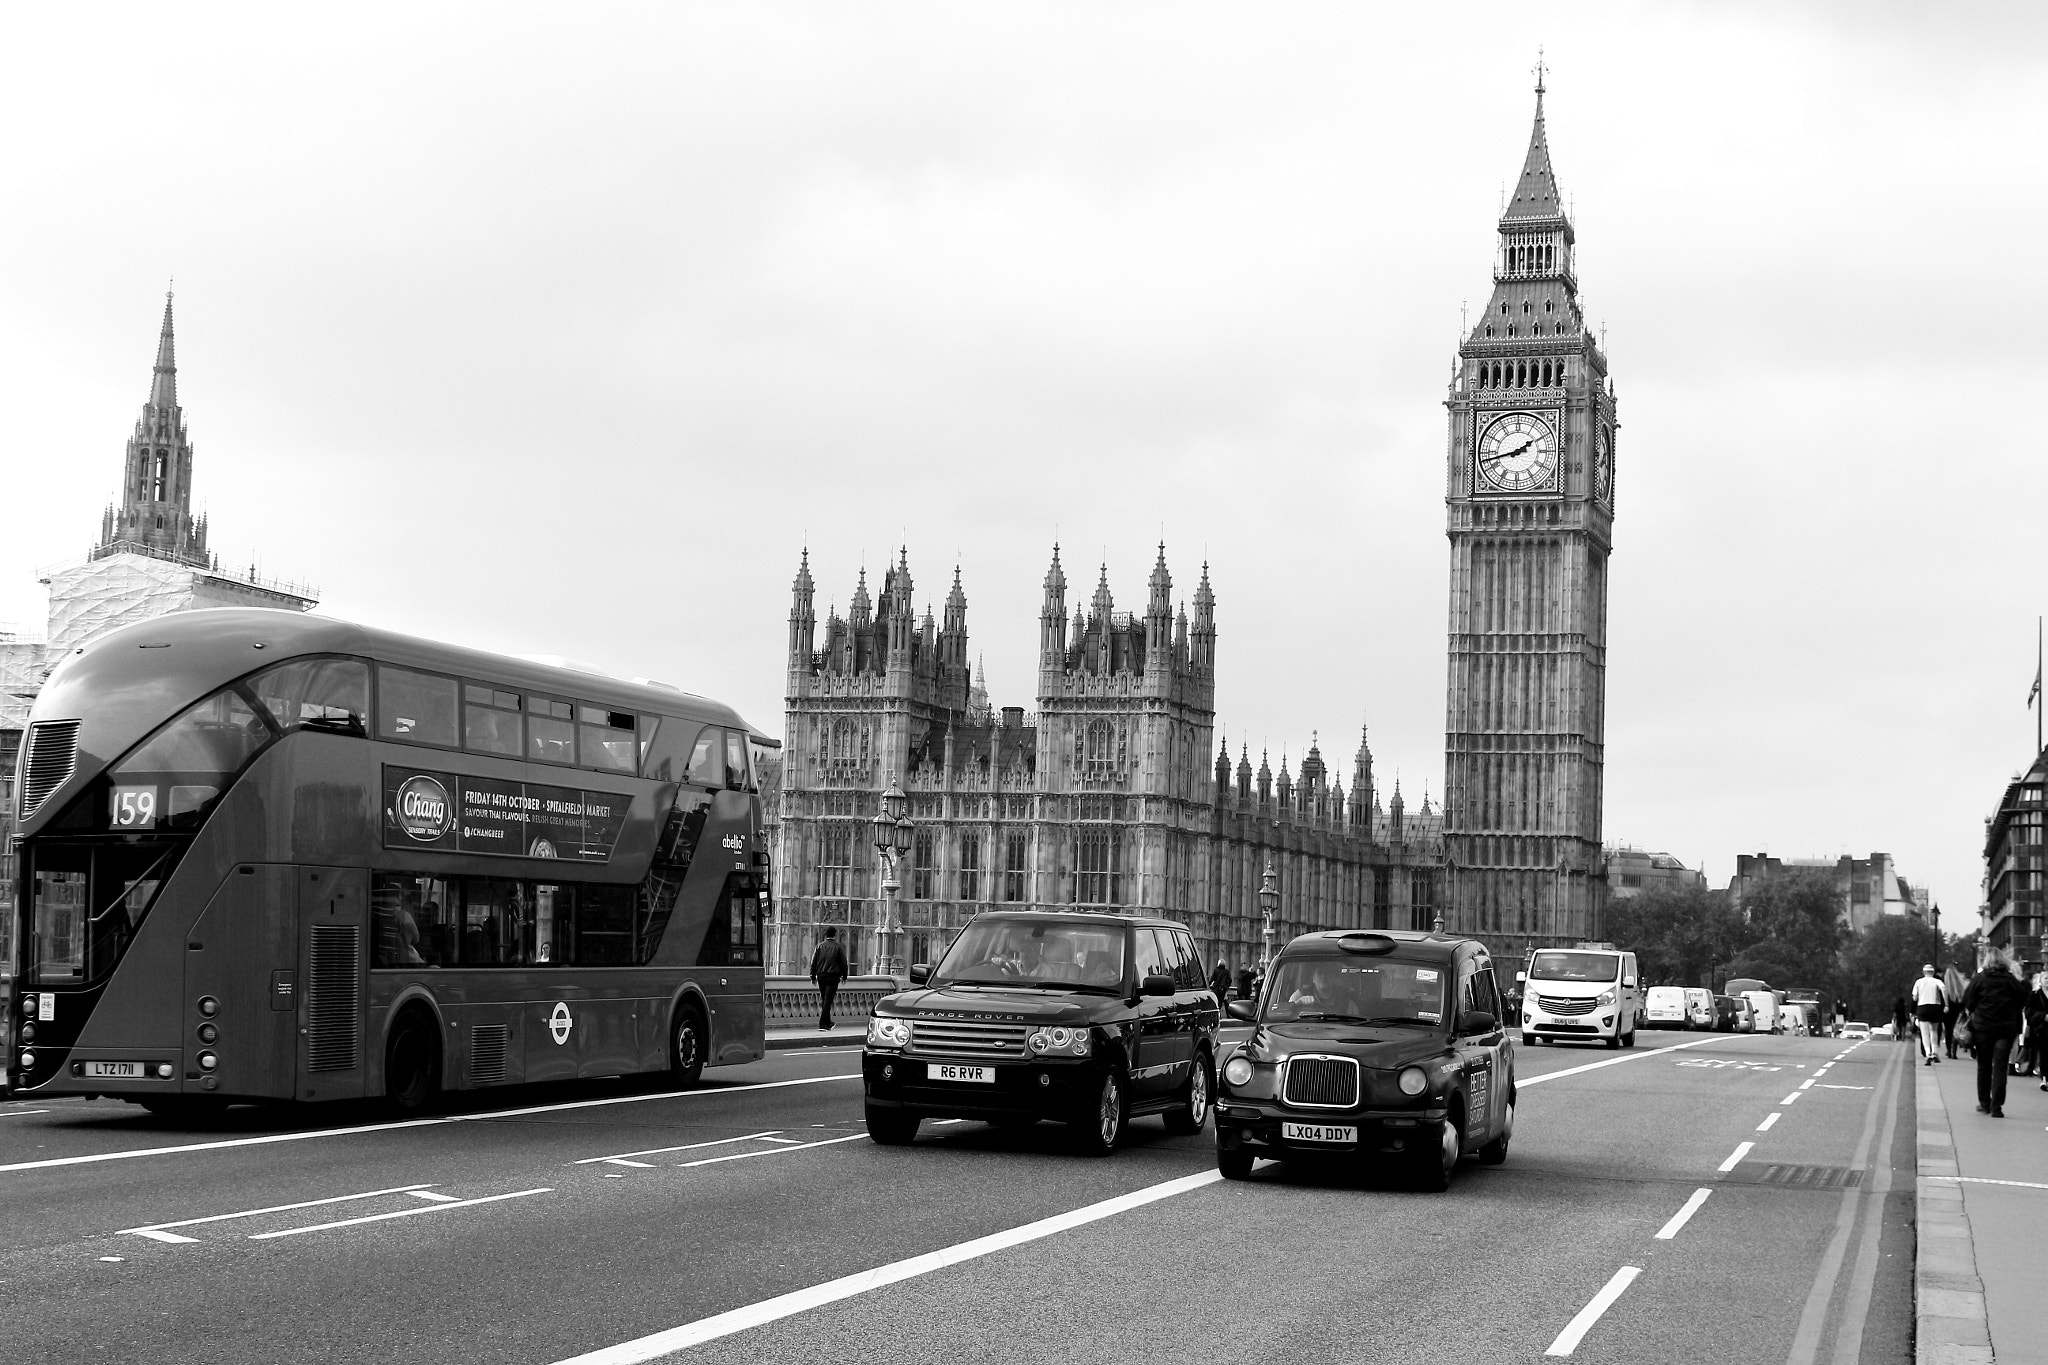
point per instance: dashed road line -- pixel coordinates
(626, 1158)
(1523, 1082)
(1575, 1330)
(155, 1231)
(772, 1151)
(1742, 1149)
(1679, 1219)
(1790, 1098)
(1765, 1126)
(401, 1213)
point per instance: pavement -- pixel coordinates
(1983, 1213)
(751, 1220)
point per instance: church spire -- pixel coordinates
(1536, 195)
(155, 517)
(163, 385)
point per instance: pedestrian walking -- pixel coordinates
(1995, 1001)
(828, 969)
(1899, 1017)
(1930, 1001)
(2035, 1013)
(1219, 980)
(1244, 982)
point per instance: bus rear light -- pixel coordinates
(207, 1061)
(209, 1033)
(208, 1006)
(28, 1003)
(28, 1033)
(165, 1070)
(28, 1061)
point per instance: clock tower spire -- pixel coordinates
(1529, 510)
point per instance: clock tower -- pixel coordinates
(1529, 507)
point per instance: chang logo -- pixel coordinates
(424, 811)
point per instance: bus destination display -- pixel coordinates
(453, 813)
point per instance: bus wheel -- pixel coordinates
(412, 1062)
(686, 1057)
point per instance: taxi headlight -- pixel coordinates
(1237, 1071)
(1414, 1081)
(1059, 1042)
(884, 1032)
(1606, 997)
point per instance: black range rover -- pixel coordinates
(1379, 1045)
(1089, 1020)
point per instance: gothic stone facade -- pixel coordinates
(1530, 512)
(1104, 799)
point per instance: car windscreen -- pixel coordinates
(1565, 966)
(1042, 952)
(1381, 990)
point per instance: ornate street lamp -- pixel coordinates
(1269, 904)
(893, 831)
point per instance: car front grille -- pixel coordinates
(1321, 1082)
(1565, 1004)
(966, 1038)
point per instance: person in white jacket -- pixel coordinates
(1930, 1001)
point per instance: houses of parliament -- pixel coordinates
(1116, 793)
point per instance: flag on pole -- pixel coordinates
(2034, 692)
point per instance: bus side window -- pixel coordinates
(317, 694)
(607, 738)
(419, 707)
(550, 730)
(738, 774)
(706, 764)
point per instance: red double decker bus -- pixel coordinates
(274, 857)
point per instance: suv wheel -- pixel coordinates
(1193, 1111)
(892, 1127)
(1434, 1174)
(1102, 1127)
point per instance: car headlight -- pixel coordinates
(1237, 1071)
(884, 1032)
(1059, 1042)
(1606, 997)
(1414, 1081)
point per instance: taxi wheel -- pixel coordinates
(686, 1061)
(1099, 1130)
(1434, 1174)
(892, 1127)
(1234, 1163)
(1496, 1151)
(1193, 1113)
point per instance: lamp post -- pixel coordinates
(892, 830)
(1269, 904)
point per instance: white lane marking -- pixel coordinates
(1985, 1180)
(1741, 1150)
(410, 1123)
(1679, 1219)
(620, 1159)
(1521, 1081)
(1845, 1087)
(433, 1198)
(1568, 1340)
(1765, 1126)
(1790, 1098)
(112, 1258)
(1806, 1085)
(771, 1151)
(803, 1300)
(402, 1213)
(788, 1142)
(155, 1231)
(23, 1113)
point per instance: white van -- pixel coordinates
(1699, 1008)
(1664, 1007)
(1765, 1007)
(1584, 993)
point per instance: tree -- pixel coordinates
(1799, 915)
(1777, 964)
(1679, 936)
(1883, 962)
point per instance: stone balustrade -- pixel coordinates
(793, 1000)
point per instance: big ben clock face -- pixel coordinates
(1603, 467)
(1517, 454)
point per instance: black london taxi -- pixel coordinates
(1086, 1019)
(1374, 1045)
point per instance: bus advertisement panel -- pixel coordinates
(267, 856)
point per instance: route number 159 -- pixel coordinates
(134, 807)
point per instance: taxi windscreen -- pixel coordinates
(1346, 989)
(1574, 967)
(1036, 952)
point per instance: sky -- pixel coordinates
(565, 330)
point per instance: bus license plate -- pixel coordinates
(1318, 1132)
(946, 1071)
(120, 1071)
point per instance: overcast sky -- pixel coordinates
(564, 330)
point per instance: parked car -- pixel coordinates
(1699, 1008)
(1664, 1007)
(1859, 1032)
(1724, 1014)
(1745, 1014)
